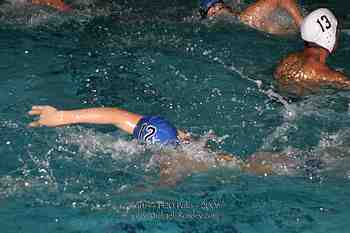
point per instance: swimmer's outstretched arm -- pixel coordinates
(250, 165)
(52, 117)
(124, 120)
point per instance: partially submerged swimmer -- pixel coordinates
(257, 15)
(156, 130)
(57, 4)
(306, 72)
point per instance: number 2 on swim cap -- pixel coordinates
(149, 130)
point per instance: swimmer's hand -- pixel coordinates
(48, 116)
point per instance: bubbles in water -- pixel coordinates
(9, 124)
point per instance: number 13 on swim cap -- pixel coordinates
(320, 27)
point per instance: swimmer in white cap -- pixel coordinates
(306, 72)
(178, 161)
(57, 4)
(257, 15)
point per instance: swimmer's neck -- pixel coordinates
(318, 53)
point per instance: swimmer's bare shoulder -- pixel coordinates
(326, 76)
(299, 71)
(295, 74)
(289, 67)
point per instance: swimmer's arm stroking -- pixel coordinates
(258, 15)
(251, 165)
(51, 117)
(257, 168)
(292, 8)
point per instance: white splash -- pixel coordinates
(92, 143)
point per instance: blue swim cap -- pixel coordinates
(206, 4)
(155, 129)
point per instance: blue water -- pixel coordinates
(204, 77)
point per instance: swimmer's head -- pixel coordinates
(320, 28)
(205, 6)
(156, 130)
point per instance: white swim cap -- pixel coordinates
(320, 27)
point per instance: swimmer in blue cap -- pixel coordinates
(257, 14)
(147, 129)
(157, 130)
(306, 72)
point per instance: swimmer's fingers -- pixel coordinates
(47, 116)
(41, 109)
(34, 124)
(34, 112)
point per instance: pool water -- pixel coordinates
(157, 57)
